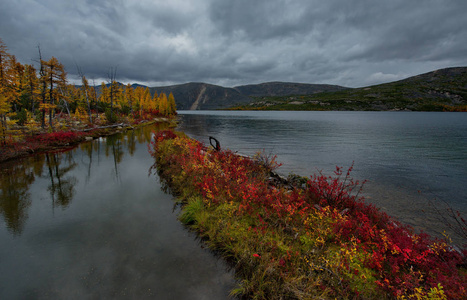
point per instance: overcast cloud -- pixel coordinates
(229, 43)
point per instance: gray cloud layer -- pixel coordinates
(350, 43)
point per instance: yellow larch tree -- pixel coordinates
(55, 77)
(129, 96)
(163, 104)
(147, 99)
(31, 88)
(104, 96)
(155, 102)
(8, 88)
(172, 107)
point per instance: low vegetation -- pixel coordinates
(312, 238)
(441, 90)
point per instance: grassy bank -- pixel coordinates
(313, 240)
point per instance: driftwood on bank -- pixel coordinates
(293, 181)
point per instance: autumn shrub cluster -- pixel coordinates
(56, 138)
(46, 141)
(320, 241)
(40, 142)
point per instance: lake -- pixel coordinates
(91, 224)
(413, 161)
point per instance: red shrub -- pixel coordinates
(56, 138)
(401, 260)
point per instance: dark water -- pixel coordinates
(414, 161)
(91, 224)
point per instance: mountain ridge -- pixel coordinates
(199, 95)
(442, 89)
(438, 90)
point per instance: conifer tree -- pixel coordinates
(86, 92)
(4, 108)
(104, 96)
(42, 87)
(155, 101)
(113, 90)
(172, 108)
(163, 104)
(16, 84)
(56, 76)
(139, 97)
(31, 86)
(8, 90)
(129, 95)
(147, 99)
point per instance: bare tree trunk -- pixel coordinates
(85, 87)
(51, 96)
(31, 88)
(65, 103)
(112, 77)
(97, 99)
(44, 85)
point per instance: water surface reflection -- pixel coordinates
(90, 223)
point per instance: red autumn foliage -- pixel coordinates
(55, 138)
(401, 260)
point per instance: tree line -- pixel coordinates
(42, 98)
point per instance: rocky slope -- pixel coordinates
(197, 96)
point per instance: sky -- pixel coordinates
(236, 42)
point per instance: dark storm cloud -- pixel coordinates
(352, 43)
(415, 31)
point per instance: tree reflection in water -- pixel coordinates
(16, 177)
(15, 197)
(62, 185)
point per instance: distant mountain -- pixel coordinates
(135, 85)
(444, 89)
(285, 88)
(196, 96)
(98, 87)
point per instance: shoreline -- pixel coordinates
(23, 149)
(314, 242)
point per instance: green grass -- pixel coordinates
(436, 91)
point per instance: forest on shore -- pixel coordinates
(36, 100)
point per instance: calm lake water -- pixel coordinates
(413, 160)
(91, 224)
